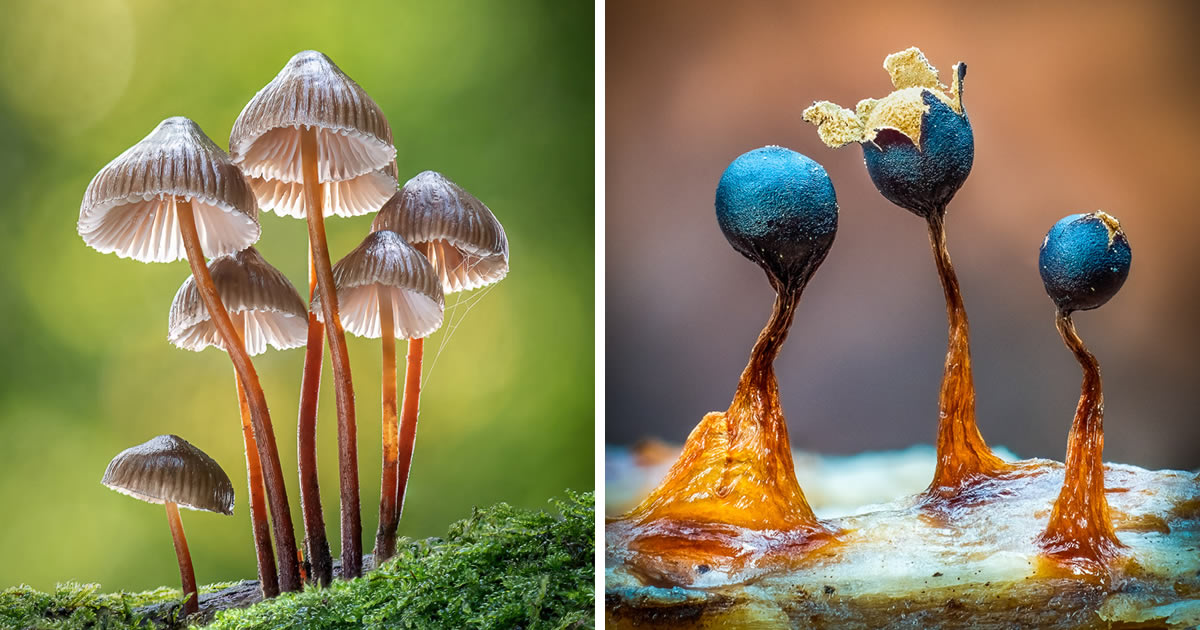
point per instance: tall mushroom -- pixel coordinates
(265, 309)
(170, 471)
(173, 195)
(313, 125)
(467, 247)
(387, 289)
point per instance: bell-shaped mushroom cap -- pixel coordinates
(459, 235)
(264, 305)
(385, 261)
(129, 207)
(353, 137)
(168, 468)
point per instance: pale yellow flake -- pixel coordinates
(836, 125)
(909, 68)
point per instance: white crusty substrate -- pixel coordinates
(902, 565)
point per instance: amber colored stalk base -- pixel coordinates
(319, 558)
(730, 503)
(408, 422)
(1080, 534)
(260, 417)
(385, 535)
(961, 452)
(267, 577)
(187, 574)
(339, 357)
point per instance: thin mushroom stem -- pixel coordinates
(408, 420)
(339, 357)
(317, 544)
(385, 537)
(1080, 530)
(961, 451)
(267, 576)
(281, 516)
(187, 575)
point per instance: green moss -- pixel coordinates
(503, 567)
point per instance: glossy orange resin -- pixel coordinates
(731, 502)
(1080, 534)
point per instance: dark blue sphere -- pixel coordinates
(1084, 261)
(778, 208)
(923, 180)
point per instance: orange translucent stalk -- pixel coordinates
(731, 499)
(343, 386)
(961, 452)
(385, 535)
(187, 575)
(315, 540)
(408, 420)
(1080, 532)
(267, 577)
(260, 417)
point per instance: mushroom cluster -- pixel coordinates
(310, 144)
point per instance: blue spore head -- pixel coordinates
(778, 208)
(923, 179)
(1084, 260)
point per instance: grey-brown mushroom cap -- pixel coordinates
(349, 198)
(385, 263)
(168, 468)
(129, 206)
(458, 233)
(353, 136)
(265, 307)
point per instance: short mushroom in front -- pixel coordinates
(388, 289)
(170, 471)
(265, 309)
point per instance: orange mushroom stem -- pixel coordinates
(285, 537)
(351, 519)
(408, 421)
(385, 535)
(1080, 533)
(258, 501)
(319, 558)
(187, 574)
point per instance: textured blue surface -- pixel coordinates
(778, 208)
(1080, 268)
(923, 180)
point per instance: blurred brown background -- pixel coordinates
(1075, 106)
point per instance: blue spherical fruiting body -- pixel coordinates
(1084, 260)
(778, 208)
(923, 179)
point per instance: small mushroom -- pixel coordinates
(309, 128)
(467, 247)
(265, 309)
(919, 148)
(389, 289)
(174, 195)
(170, 471)
(1084, 261)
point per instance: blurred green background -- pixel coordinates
(498, 96)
